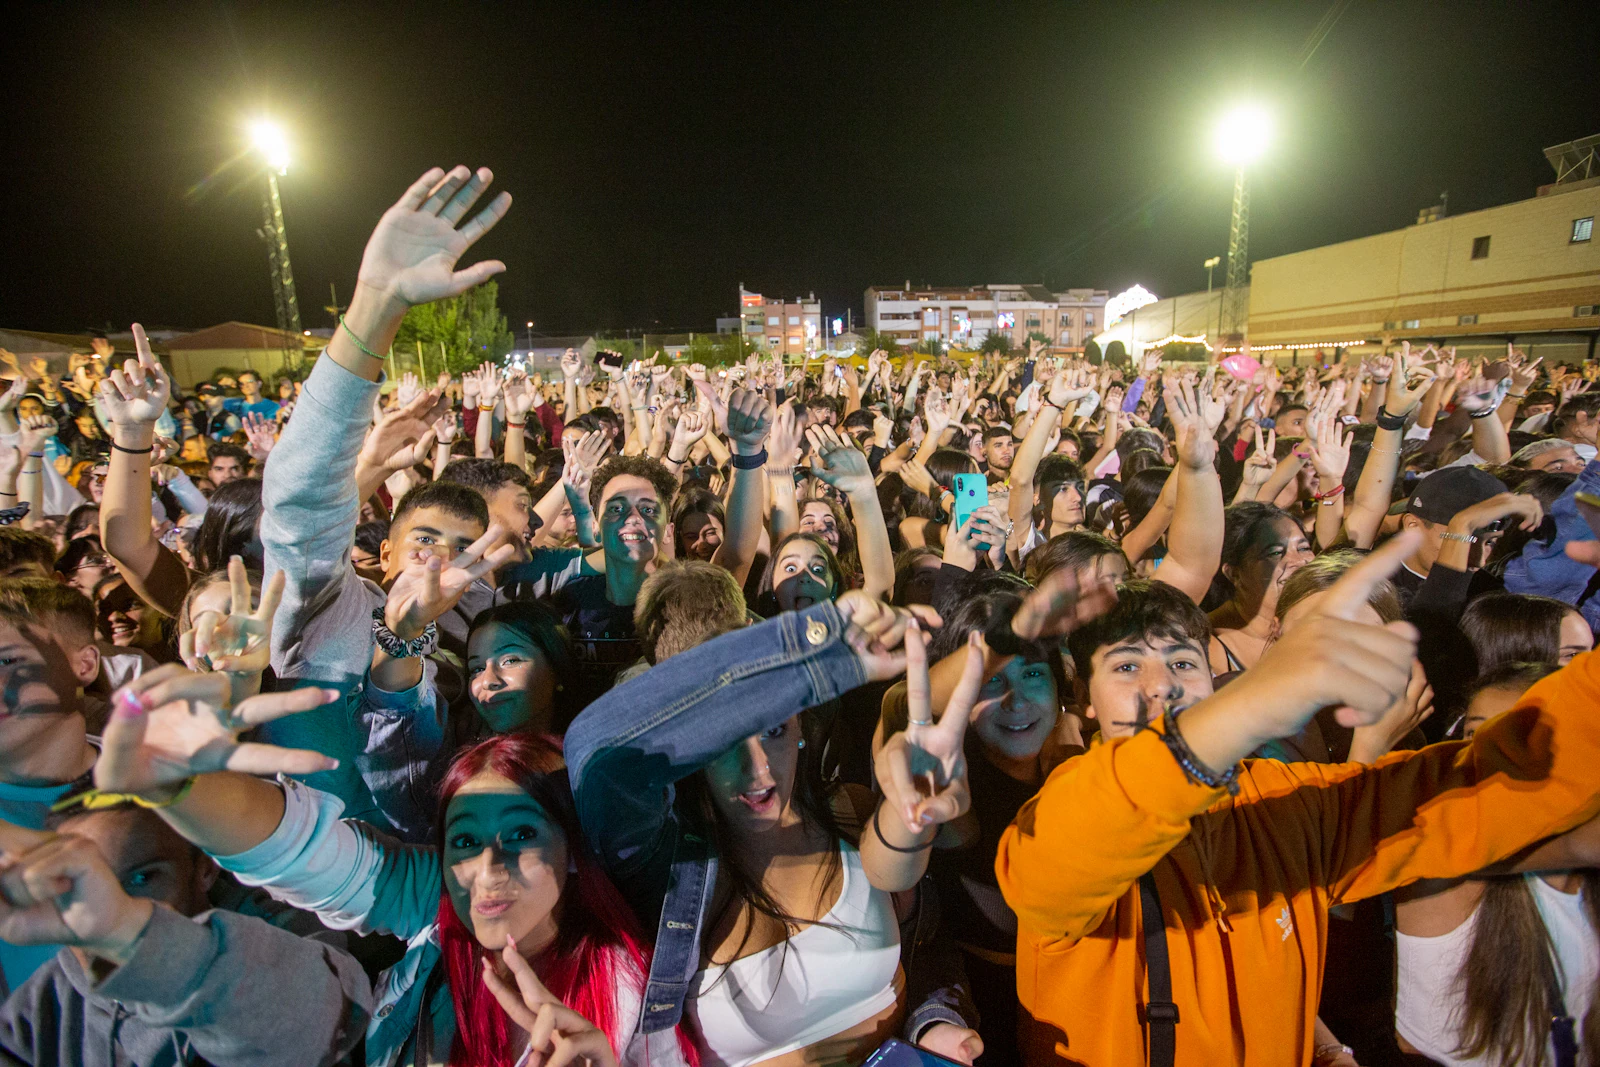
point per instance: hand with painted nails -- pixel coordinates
(173, 723)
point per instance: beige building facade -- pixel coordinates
(1528, 271)
(967, 316)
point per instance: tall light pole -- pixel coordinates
(1209, 265)
(530, 335)
(1241, 138)
(269, 140)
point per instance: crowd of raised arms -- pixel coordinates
(673, 715)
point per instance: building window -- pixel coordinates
(1582, 229)
(1033, 322)
(930, 316)
(1088, 320)
(1466, 320)
(1480, 248)
(1583, 311)
(1411, 324)
(794, 320)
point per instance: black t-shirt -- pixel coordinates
(601, 636)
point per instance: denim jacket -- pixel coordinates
(1545, 568)
(627, 750)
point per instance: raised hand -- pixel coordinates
(984, 527)
(1330, 452)
(837, 461)
(923, 769)
(408, 389)
(1064, 601)
(59, 890)
(581, 458)
(876, 631)
(937, 411)
(571, 367)
(557, 1035)
(412, 254)
(403, 435)
(262, 433)
(1070, 385)
(171, 723)
(1259, 467)
(1412, 378)
(749, 418)
(137, 394)
(36, 430)
(519, 397)
(1477, 393)
(445, 428)
(429, 586)
(239, 642)
(1197, 448)
(691, 430)
(488, 385)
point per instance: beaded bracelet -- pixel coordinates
(1193, 769)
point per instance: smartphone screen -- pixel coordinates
(972, 493)
(894, 1053)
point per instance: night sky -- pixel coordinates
(661, 154)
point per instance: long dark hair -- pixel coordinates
(767, 600)
(1509, 971)
(1514, 628)
(233, 516)
(812, 799)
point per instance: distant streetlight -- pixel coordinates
(1210, 265)
(530, 335)
(272, 145)
(1241, 138)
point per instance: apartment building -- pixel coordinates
(967, 316)
(793, 327)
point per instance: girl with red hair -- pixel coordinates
(518, 947)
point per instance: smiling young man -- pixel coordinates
(630, 496)
(1242, 858)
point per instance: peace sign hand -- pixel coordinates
(557, 1035)
(239, 642)
(171, 723)
(429, 587)
(412, 254)
(923, 769)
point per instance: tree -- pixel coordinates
(470, 327)
(996, 342)
(1091, 352)
(872, 341)
(1117, 354)
(1042, 338)
(930, 346)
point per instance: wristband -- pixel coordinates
(519, 425)
(1193, 769)
(1380, 381)
(95, 799)
(1466, 539)
(1518, 396)
(398, 649)
(675, 462)
(885, 841)
(1388, 421)
(1486, 412)
(748, 463)
(35, 455)
(483, 408)
(358, 342)
(133, 451)
(1337, 490)
(780, 472)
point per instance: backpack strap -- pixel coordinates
(1160, 1013)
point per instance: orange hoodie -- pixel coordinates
(1246, 886)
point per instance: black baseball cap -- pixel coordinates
(207, 389)
(1442, 494)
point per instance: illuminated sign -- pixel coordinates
(838, 327)
(1006, 320)
(1124, 302)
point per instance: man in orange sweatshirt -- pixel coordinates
(1244, 879)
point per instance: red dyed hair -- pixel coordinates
(598, 943)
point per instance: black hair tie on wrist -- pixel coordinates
(133, 451)
(885, 841)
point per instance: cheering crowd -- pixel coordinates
(1006, 710)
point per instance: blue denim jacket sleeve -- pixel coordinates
(625, 751)
(1546, 569)
(400, 759)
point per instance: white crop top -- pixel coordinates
(1430, 1001)
(821, 982)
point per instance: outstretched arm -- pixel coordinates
(749, 420)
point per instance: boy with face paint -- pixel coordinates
(148, 965)
(1246, 856)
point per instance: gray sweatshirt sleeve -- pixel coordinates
(243, 992)
(308, 521)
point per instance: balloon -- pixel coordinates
(1240, 366)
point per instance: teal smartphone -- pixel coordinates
(972, 493)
